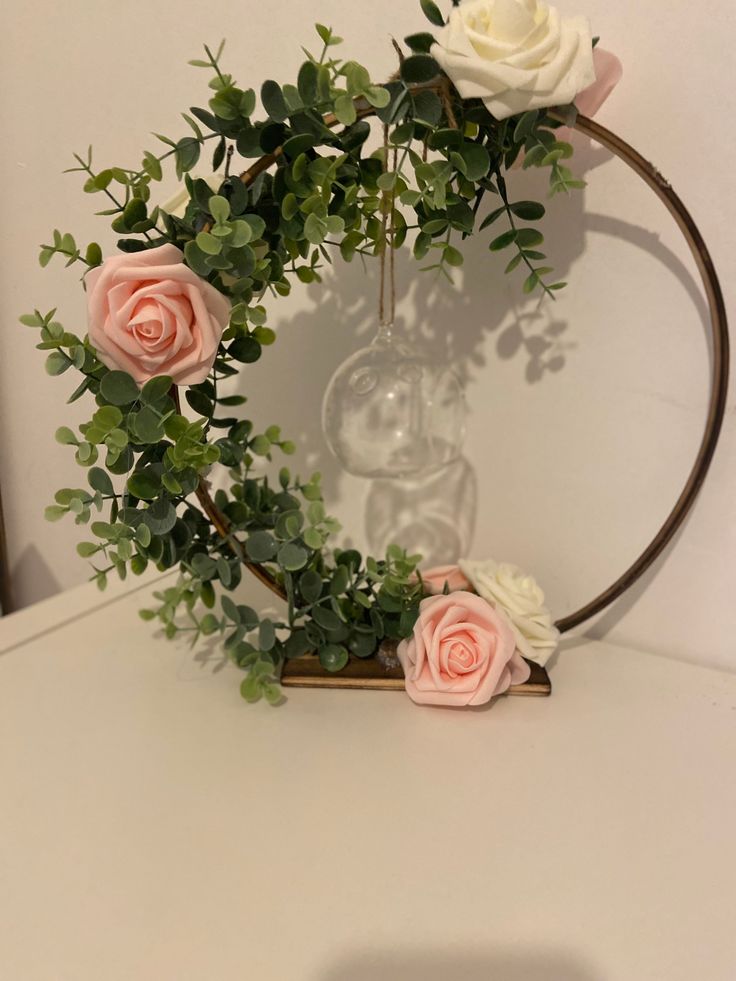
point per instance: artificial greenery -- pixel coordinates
(314, 187)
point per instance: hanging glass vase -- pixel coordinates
(390, 412)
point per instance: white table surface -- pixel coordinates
(154, 826)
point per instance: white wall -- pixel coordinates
(585, 415)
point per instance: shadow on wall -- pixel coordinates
(452, 325)
(505, 965)
(32, 568)
(434, 516)
(449, 324)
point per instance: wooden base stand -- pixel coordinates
(370, 673)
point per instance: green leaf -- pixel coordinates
(356, 76)
(230, 610)
(326, 618)
(261, 445)
(534, 156)
(149, 427)
(452, 256)
(529, 238)
(87, 549)
(310, 586)
(66, 437)
(292, 557)
(503, 240)
(289, 206)
(143, 535)
(273, 101)
(155, 388)
(219, 154)
(32, 320)
(313, 538)
(54, 512)
(493, 216)
(477, 160)
(57, 363)
(266, 635)
(208, 244)
(100, 481)
(204, 566)
(219, 208)
(200, 403)
(432, 13)
(298, 644)
(419, 68)
(528, 210)
(307, 83)
(364, 641)
(144, 484)
(196, 259)
(160, 516)
(297, 145)
(118, 388)
(421, 42)
(345, 110)
(261, 546)
(333, 657)
(250, 689)
(107, 418)
(427, 107)
(525, 125)
(245, 349)
(186, 154)
(93, 255)
(135, 211)
(314, 229)
(378, 96)
(152, 166)
(264, 335)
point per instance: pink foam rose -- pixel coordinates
(435, 579)
(608, 72)
(149, 315)
(462, 652)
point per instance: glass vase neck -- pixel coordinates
(386, 332)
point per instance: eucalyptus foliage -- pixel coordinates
(319, 191)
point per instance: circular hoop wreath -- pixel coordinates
(179, 308)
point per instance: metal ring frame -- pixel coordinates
(719, 378)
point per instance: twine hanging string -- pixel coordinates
(388, 232)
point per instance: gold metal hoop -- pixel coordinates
(719, 377)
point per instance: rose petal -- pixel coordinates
(150, 314)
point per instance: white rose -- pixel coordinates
(518, 595)
(515, 55)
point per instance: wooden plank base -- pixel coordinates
(370, 673)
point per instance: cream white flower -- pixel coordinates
(515, 55)
(519, 596)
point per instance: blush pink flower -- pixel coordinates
(435, 579)
(149, 315)
(462, 652)
(608, 73)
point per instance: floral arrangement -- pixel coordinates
(179, 308)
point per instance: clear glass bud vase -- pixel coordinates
(390, 412)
